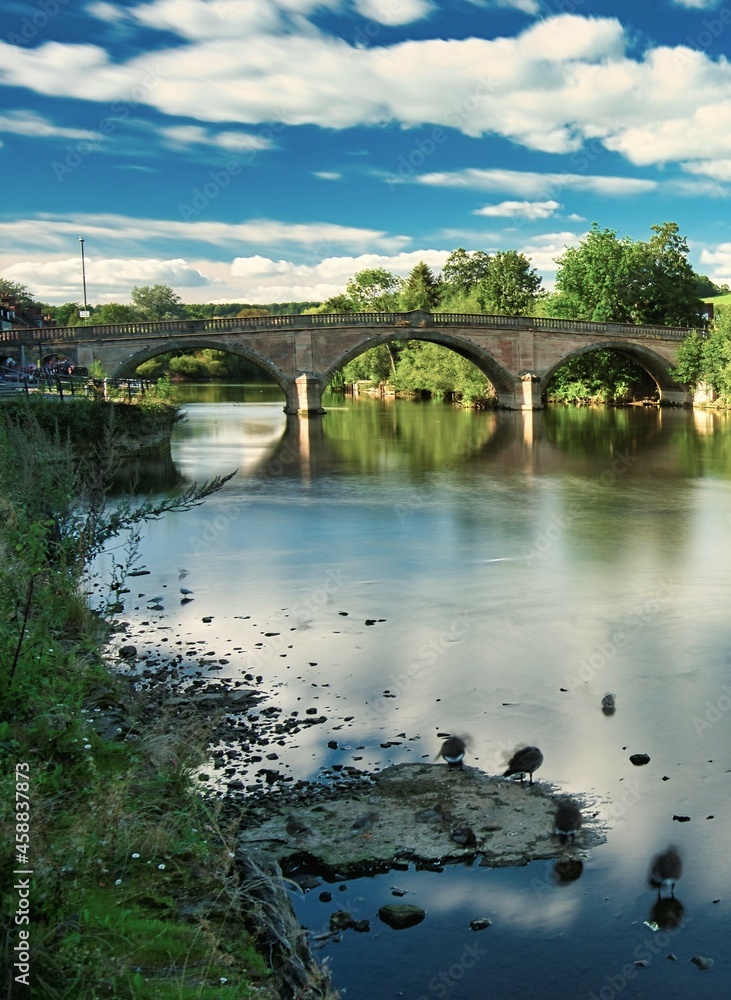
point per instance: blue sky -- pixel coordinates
(266, 150)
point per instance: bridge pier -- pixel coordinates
(307, 396)
(528, 392)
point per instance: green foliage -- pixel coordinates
(376, 365)
(114, 312)
(421, 290)
(600, 377)
(373, 290)
(689, 365)
(157, 302)
(120, 841)
(510, 286)
(202, 364)
(609, 279)
(19, 293)
(427, 367)
(464, 271)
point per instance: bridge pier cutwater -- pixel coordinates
(519, 354)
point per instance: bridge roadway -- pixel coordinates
(519, 354)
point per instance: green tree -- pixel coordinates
(464, 270)
(689, 366)
(511, 286)
(661, 286)
(373, 290)
(14, 290)
(421, 290)
(113, 312)
(426, 367)
(590, 279)
(336, 304)
(600, 377)
(158, 302)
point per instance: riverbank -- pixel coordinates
(129, 886)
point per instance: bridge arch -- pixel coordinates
(656, 366)
(500, 377)
(187, 344)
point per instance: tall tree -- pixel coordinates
(464, 270)
(374, 290)
(590, 280)
(421, 289)
(511, 286)
(158, 302)
(662, 287)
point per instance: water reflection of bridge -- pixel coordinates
(519, 354)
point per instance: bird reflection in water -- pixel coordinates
(568, 870)
(667, 913)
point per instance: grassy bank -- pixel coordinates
(132, 892)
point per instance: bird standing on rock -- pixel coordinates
(524, 761)
(296, 828)
(665, 870)
(568, 821)
(453, 751)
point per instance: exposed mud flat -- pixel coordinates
(423, 813)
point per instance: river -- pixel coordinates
(406, 569)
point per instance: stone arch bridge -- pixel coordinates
(518, 354)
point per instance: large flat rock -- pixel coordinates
(412, 814)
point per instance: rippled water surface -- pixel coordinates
(516, 568)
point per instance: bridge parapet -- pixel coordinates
(261, 324)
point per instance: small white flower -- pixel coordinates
(161, 867)
(135, 855)
(118, 881)
(87, 746)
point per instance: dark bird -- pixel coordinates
(296, 828)
(453, 751)
(568, 821)
(185, 591)
(609, 705)
(665, 870)
(464, 836)
(524, 761)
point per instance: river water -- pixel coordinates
(406, 569)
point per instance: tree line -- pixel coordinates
(606, 277)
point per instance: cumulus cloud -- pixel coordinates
(196, 135)
(562, 81)
(520, 209)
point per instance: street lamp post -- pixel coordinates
(83, 313)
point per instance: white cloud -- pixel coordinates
(718, 260)
(697, 4)
(328, 175)
(35, 125)
(109, 279)
(719, 170)
(520, 209)
(532, 184)
(563, 81)
(108, 230)
(393, 12)
(192, 135)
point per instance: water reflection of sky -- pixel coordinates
(522, 571)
